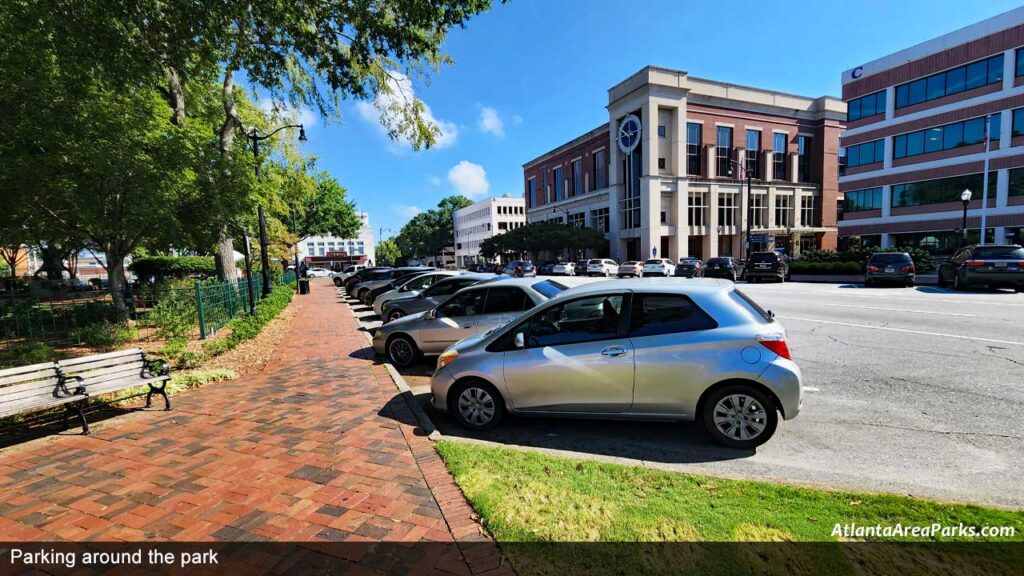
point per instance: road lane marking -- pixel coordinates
(904, 330)
(901, 310)
(811, 389)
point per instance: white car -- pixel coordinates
(564, 269)
(602, 267)
(340, 277)
(659, 267)
(631, 268)
(318, 273)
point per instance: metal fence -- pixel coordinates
(162, 311)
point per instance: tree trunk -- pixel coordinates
(118, 281)
(226, 270)
(175, 96)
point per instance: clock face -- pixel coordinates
(629, 133)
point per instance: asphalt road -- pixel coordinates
(912, 390)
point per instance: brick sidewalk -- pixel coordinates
(318, 447)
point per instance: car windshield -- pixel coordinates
(654, 261)
(764, 257)
(999, 253)
(548, 288)
(595, 262)
(889, 258)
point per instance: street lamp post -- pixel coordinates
(255, 138)
(748, 246)
(965, 197)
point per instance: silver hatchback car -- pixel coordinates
(630, 349)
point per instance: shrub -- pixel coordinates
(173, 266)
(248, 327)
(105, 335)
(825, 268)
(28, 353)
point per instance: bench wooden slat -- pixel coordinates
(40, 371)
(103, 363)
(43, 366)
(87, 359)
(92, 382)
(108, 371)
(42, 387)
(118, 385)
(34, 404)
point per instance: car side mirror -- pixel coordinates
(520, 340)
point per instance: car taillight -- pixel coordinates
(908, 268)
(776, 343)
(872, 268)
(974, 263)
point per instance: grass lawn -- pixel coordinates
(526, 497)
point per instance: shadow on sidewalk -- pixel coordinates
(49, 423)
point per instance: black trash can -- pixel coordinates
(303, 286)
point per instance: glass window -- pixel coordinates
(661, 131)
(995, 69)
(583, 320)
(531, 192)
(938, 190)
(557, 184)
(548, 288)
(466, 304)
(917, 92)
(974, 131)
(804, 145)
(1020, 62)
(753, 153)
(977, 75)
(1018, 122)
(577, 177)
(953, 136)
(600, 170)
(693, 147)
(933, 139)
(449, 287)
(723, 150)
(899, 146)
(655, 314)
(936, 87)
(866, 106)
(902, 96)
(866, 153)
(502, 300)
(915, 143)
(956, 80)
(853, 109)
(859, 200)
(779, 155)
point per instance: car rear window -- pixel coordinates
(889, 258)
(999, 253)
(764, 257)
(655, 261)
(718, 261)
(548, 288)
(756, 311)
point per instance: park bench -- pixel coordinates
(70, 383)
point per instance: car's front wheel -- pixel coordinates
(740, 416)
(395, 315)
(337, 282)
(958, 284)
(402, 351)
(476, 405)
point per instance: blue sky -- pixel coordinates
(532, 74)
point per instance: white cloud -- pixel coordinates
(282, 111)
(402, 93)
(469, 179)
(435, 181)
(517, 119)
(491, 122)
(406, 211)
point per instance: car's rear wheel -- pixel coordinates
(338, 282)
(958, 284)
(740, 416)
(402, 351)
(476, 405)
(911, 283)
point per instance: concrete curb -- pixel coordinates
(922, 279)
(410, 399)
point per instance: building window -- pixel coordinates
(953, 81)
(939, 190)
(723, 150)
(661, 163)
(599, 219)
(577, 220)
(577, 177)
(661, 130)
(629, 208)
(693, 145)
(807, 211)
(784, 211)
(1016, 184)
(697, 208)
(866, 106)
(859, 200)
(780, 142)
(558, 185)
(1020, 62)
(600, 170)
(753, 163)
(945, 137)
(531, 192)
(759, 210)
(803, 165)
(866, 153)
(727, 208)
(1018, 122)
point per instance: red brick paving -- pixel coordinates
(318, 447)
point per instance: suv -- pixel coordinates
(721, 267)
(993, 265)
(895, 267)
(770, 265)
(519, 268)
(564, 269)
(659, 267)
(602, 267)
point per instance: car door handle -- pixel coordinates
(613, 351)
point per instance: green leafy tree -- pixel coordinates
(428, 233)
(388, 253)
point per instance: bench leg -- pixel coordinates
(161, 391)
(81, 414)
(67, 412)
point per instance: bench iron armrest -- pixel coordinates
(63, 386)
(155, 368)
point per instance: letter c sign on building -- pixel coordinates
(857, 72)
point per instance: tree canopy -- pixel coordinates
(428, 233)
(542, 236)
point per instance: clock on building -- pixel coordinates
(629, 133)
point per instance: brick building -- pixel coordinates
(915, 140)
(687, 192)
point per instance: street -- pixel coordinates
(911, 390)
